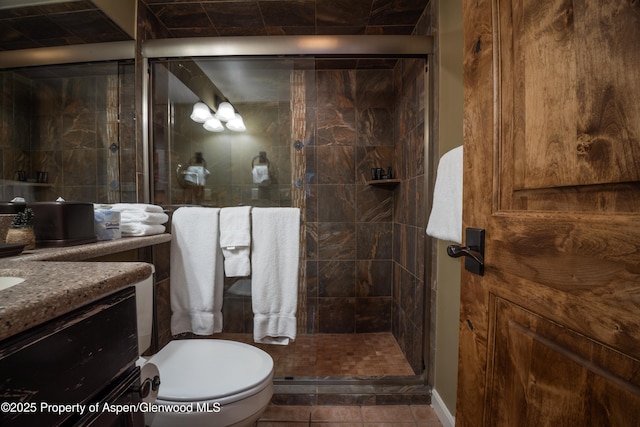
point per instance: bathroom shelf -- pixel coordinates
(26, 183)
(385, 182)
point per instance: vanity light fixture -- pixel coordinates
(213, 122)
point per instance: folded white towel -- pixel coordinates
(136, 207)
(196, 175)
(139, 229)
(445, 220)
(235, 240)
(144, 217)
(260, 174)
(274, 278)
(197, 279)
(106, 206)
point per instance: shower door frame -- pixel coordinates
(306, 46)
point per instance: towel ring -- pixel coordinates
(262, 159)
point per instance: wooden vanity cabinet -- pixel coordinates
(84, 358)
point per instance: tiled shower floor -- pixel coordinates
(335, 355)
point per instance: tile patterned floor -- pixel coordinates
(349, 416)
(328, 355)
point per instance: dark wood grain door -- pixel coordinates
(550, 335)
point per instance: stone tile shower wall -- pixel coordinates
(409, 211)
(349, 223)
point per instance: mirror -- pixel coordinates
(68, 131)
(226, 165)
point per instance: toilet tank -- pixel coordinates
(144, 310)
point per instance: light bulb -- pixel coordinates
(200, 112)
(225, 112)
(213, 125)
(236, 124)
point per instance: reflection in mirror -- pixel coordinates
(68, 131)
(205, 156)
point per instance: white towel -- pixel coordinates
(196, 175)
(144, 216)
(235, 240)
(445, 221)
(197, 279)
(274, 277)
(260, 174)
(145, 207)
(138, 229)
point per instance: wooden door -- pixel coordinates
(550, 334)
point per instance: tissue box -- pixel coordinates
(58, 224)
(107, 224)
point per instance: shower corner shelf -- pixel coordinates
(385, 182)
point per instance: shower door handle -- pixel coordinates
(473, 253)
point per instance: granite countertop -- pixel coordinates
(92, 250)
(57, 281)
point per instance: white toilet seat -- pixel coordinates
(234, 377)
(206, 370)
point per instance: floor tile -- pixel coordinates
(287, 413)
(349, 416)
(395, 413)
(390, 424)
(336, 424)
(281, 424)
(336, 413)
(423, 413)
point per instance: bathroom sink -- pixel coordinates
(7, 282)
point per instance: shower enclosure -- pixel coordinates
(319, 124)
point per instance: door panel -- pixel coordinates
(550, 335)
(568, 59)
(569, 104)
(541, 362)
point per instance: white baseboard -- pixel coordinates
(441, 410)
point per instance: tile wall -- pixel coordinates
(349, 223)
(409, 211)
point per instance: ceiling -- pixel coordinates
(60, 23)
(287, 17)
(55, 24)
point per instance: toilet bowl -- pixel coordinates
(211, 382)
(205, 382)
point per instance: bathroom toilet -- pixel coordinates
(204, 382)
